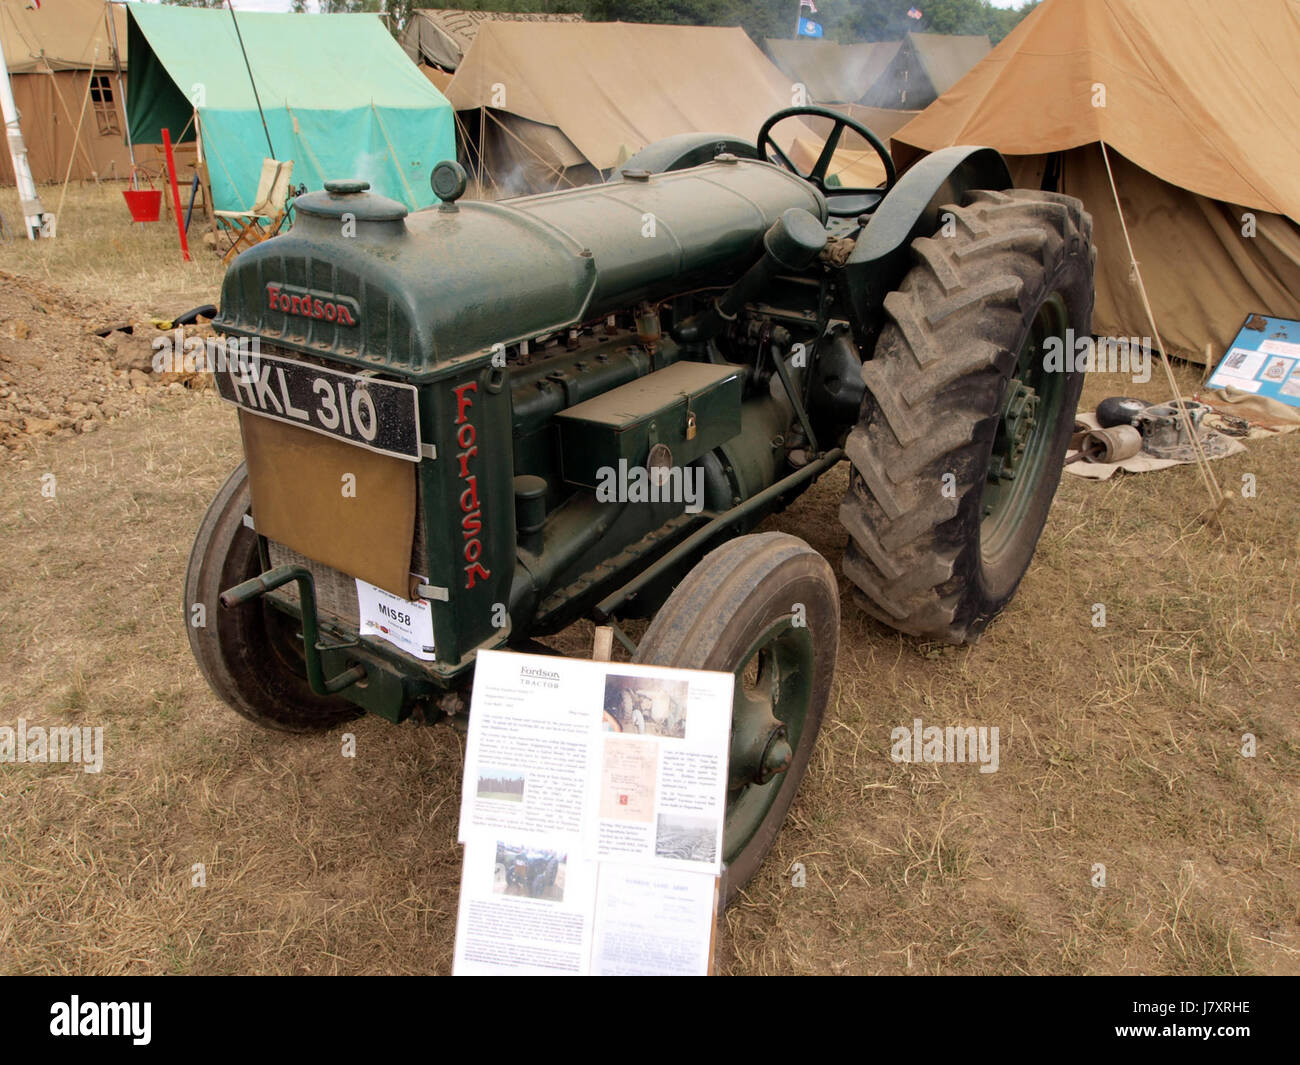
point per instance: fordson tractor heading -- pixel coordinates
(439, 396)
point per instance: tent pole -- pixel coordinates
(480, 162)
(176, 195)
(94, 167)
(201, 173)
(251, 80)
(33, 213)
(482, 159)
(121, 89)
(76, 138)
(67, 112)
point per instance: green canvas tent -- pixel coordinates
(341, 99)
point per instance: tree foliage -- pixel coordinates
(843, 20)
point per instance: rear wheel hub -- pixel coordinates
(1026, 426)
(1014, 433)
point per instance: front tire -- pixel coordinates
(251, 655)
(965, 422)
(766, 608)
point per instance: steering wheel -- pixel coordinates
(840, 202)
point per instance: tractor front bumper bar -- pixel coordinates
(311, 644)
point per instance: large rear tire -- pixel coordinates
(964, 424)
(251, 655)
(766, 608)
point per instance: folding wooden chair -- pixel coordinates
(267, 214)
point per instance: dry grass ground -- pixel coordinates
(100, 253)
(1120, 746)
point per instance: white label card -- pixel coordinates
(1279, 347)
(405, 624)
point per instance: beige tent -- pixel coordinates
(924, 67)
(440, 37)
(1197, 101)
(884, 122)
(554, 104)
(440, 78)
(832, 73)
(849, 167)
(60, 60)
(855, 163)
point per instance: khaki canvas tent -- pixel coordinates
(61, 65)
(832, 73)
(855, 163)
(440, 37)
(924, 67)
(1197, 102)
(884, 122)
(549, 105)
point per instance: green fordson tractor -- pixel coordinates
(470, 426)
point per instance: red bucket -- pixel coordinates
(144, 204)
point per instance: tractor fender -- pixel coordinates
(913, 208)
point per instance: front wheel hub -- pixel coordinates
(759, 745)
(777, 756)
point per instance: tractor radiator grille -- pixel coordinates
(336, 592)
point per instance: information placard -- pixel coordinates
(592, 817)
(1264, 359)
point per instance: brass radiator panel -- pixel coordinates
(297, 481)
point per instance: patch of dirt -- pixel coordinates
(59, 378)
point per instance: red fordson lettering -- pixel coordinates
(472, 522)
(305, 303)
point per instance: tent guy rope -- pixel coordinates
(1217, 496)
(76, 138)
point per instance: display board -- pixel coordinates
(1264, 359)
(592, 816)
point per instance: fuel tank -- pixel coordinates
(360, 280)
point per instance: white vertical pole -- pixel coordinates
(121, 89)
(34, 214)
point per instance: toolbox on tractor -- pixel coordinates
(688, 408)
